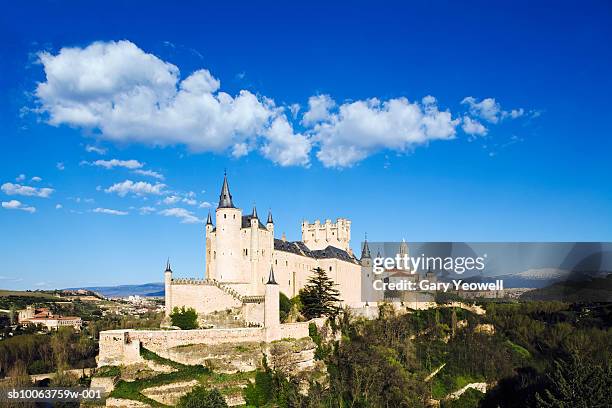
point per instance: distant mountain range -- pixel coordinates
(155, 289)
(598, 289)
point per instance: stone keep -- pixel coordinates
(240, 252)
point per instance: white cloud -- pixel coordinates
(149, 173)
(60, 166)
(363, 127)
(186, 216)
(473, 127)
(205, 204)
(17, 205)
(284, 147)
(490, 110)
(187, 199)
(514, 113)
(20, 178)
(109, 211)
(58, 206)
(318, 109)
(18, 189)
(139, 188)
(95, 149)
(487, 109)
(129, 95)
(36, 179)
(109, 164)
(173, 199)
(147, 210)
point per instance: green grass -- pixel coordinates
(149, 355)
(132, 389)
(108, 371)
(23, 293)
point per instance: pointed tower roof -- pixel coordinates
(225, 198)
(365, 252)
(271, 280)
(168, 268)
(270, 220)
(254, 213)
(209, 219)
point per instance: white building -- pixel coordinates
(241, 250)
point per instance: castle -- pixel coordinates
(242, 256)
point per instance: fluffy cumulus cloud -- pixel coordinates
(186, 216)
(283, 146)
(490, 110)
(18, 189)
(363, 127)
(122, 93)
(318, 109)
(109, 211)
(473, 127)
(138, 188)
(17, 205)
(130, 95)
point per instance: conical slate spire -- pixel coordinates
(168, 268)
(271, 280)
(254, 213)
(209, 219)
(225, 198)
(270, 221)
(365, 252)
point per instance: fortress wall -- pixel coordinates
(253, 313)
(203, 298)
(294, 330)
(123, 346)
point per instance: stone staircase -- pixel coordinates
(225, 288)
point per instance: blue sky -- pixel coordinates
(432, 121)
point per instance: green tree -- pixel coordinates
(200, 397)
(572, 383)
(319, 297)
(186, 319)
(284, 304)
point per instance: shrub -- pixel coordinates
(186, 319)
(200, 397)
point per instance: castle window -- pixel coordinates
(330, 268)
(234, 216)
(276, 262)
(224, 215)
(215, 255)
(286, 263)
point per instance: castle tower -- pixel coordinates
(168, 288)
(208, 243)
(272, 309)
(366, 258)
(321, 235)
(227, 251)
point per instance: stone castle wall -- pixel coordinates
(201, 296)
(123, 346)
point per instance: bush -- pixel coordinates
(284, 306)
(200, 397)
(186, 319)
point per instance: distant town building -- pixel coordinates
(42, 316)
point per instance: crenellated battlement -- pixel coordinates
(320, 235)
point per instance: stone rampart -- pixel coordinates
(123, 346)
